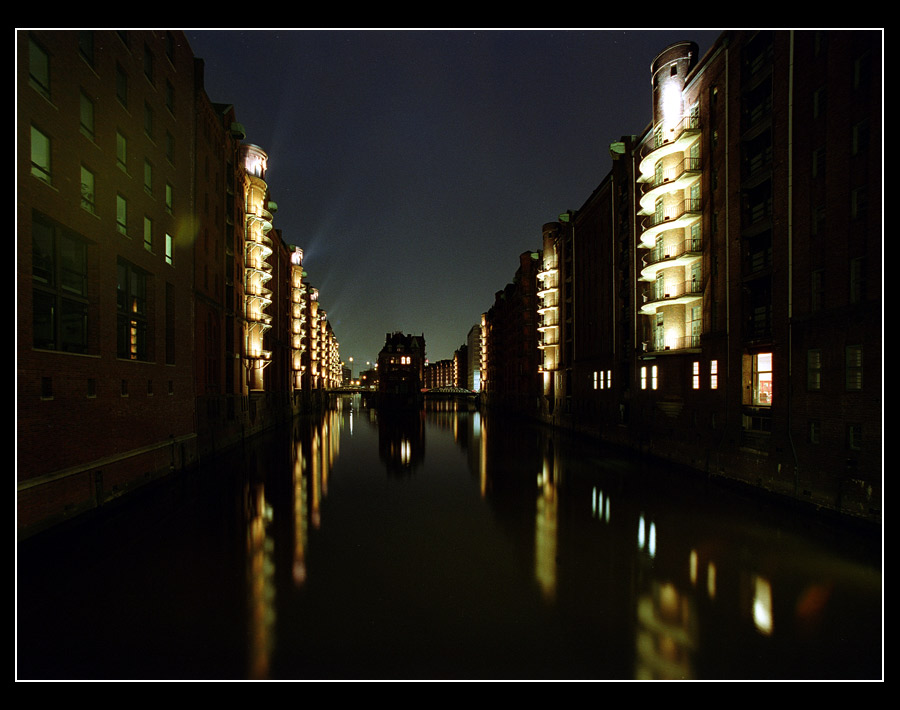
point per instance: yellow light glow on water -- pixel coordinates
(762, 605)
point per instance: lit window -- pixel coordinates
(595, 379)
(122, 215)
(608, 379)
(40, 155)
(654, 377)
(854, 367)
(169, 249)
(131, 302)
(714, 374)
(121, 151)
(148, 234)
(762, 379)
(695, 379)
(643, 378)
(814, 369)
(169, 198)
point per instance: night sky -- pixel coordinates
(413, 167)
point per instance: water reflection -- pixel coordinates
(500, 550)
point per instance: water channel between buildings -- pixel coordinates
(443, 544)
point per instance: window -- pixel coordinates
(659, 334)
(131, 306)
(169, 249)
(818, 162)
(595, 379)
(695, 377)
(857, 280)
(121, 152)
(817, 290)
(815, 431)
(40, 156)
(854, 367)
(122, 215)
(861, 138)
(643, 378)
(170, 147)
(819, 102)
(761, 379)
(654, 379)
(148, 121)
(87, 190)
(814, 370)
(608, 379)
(59, 279)
(854, 436)
(170, 46)
(148, 234)
(714, 374)
(39, 68)
(170, 327)
(148, 64)
(170, 97)
(86, 116)
(859, 202)
(86, 45)
(148, 177)
(169, 198)
(121, 85)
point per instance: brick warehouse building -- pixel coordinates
(717, 300)
(154, 298)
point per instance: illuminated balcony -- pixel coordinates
(673, 344)
(681, 254)
(676, 139)
(674, 293)
(674, 178)
(677, 216)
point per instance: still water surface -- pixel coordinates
(446, 545)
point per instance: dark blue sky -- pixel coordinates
(413, 167)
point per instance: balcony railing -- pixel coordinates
(673, 290)
(688, 126)
(686, 342)
(673, 251)
(688, 166)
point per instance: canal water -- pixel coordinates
(446, 544)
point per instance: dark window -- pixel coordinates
(59, 277)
